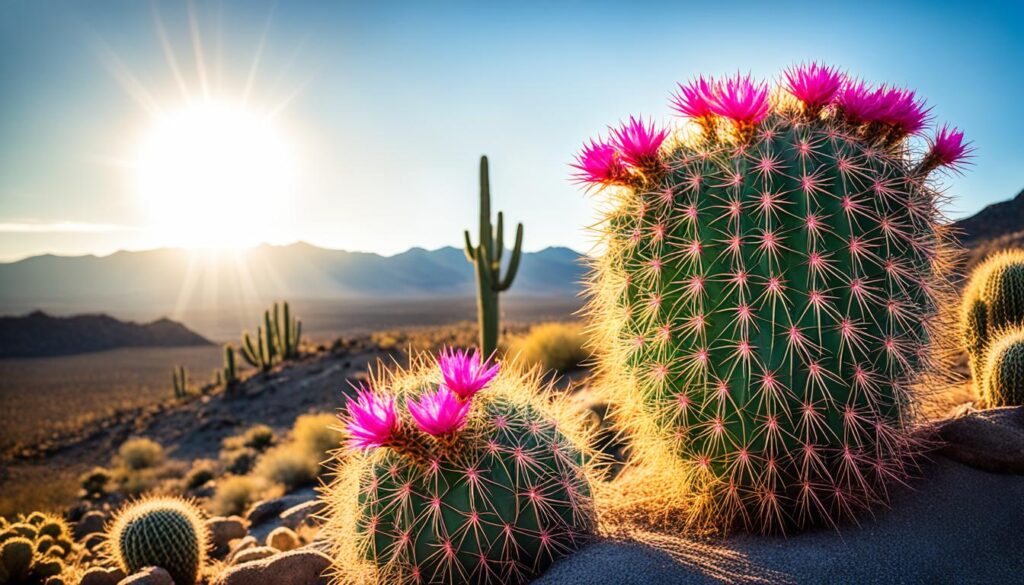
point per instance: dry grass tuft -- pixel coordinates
(558, 346)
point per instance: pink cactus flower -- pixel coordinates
(466, 373)
(902, 109)
(949, 149)
(439, 413)
(599, 163)
(740, 99)
(860, 103)
(692, 100)
(371, 420)
(638, 143)
(815, 85)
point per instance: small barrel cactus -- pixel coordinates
(478, 481)
(22, 563)
(1002, 379)
(993, 301)
(161, 532)
(768, 291)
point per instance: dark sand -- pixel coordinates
(956, 525)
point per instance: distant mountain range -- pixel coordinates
(38, 334)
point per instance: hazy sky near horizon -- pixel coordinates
(384, 108)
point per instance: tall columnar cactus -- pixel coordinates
(993, 301)
(180, 380)
(1002, 374)
(768, 291)
(455, 486)
(287, 332)
(486, 257)
(278, 339)
(229, 374)
(160, 532)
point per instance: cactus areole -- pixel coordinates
(768, 287)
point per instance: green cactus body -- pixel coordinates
(993, 301)
(180, 381)
(486, 258)
(278, 339)
(162, 532)
(1003, 370)
(766, 298)
(25, 562)
(229, 373)
(497, 503)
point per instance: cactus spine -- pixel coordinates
(993, 301)
(767, 298)
(180, 381)
(278, 339)
(495, 502)
(486, 258)
(160, 532)
(1002, 381)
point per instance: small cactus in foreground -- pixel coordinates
(1002, 376)
(161, 532)
(464, 483)
(769, 291)
(34, 549)
(993, 301)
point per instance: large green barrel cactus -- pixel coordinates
(161, 532)
(993, 301)
(451, 488)
(1002, 375)
(767, 292)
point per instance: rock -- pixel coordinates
(102, 576)
(253, 554)
(283, 539)
(223, 531)
(296, 515)
(90, 523)
(991, 440)
(149, 576)
(266, 509)
(298, 567)
(246, 543)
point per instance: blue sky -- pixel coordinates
(386, 108)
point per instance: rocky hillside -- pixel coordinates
(39, 334)
(998, 226)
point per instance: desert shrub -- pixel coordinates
(289, 465)
(239, 461)
(202, 471)
(257, 437)
(135, 482)
(141, 453)
(234, 494)
(317, 434)
(553, 346)
(95, 481)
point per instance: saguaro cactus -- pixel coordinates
(278, 339)
(486, 257)
(767, 297)
(287, 331)
(180, 381)
(230, 373)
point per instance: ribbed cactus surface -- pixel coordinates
(33, 549)
(766, 297)
(160, 532)
(993, 301)
(1002, 376)
(495, 501)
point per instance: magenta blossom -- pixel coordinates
(693, 100)
(740, 99)
(439, 413)
(466, 373)
(372, 421)
(859, 102)
(902, 109)
(599, 163)
(638, 143)
(948, 147)
(815, 85)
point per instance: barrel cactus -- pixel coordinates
(160, 532)
(993, 301)
(457, 472)
(1002, 374)
(768, 287)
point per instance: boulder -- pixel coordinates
(296, 515)
(149, 576)
(243, 544)
(991, 440)
(102, 576)
(254, 553)
(223, 531)
(264, 510)
(283, 539)
(298, 567)
(90, 523)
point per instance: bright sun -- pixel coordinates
(215, 174)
